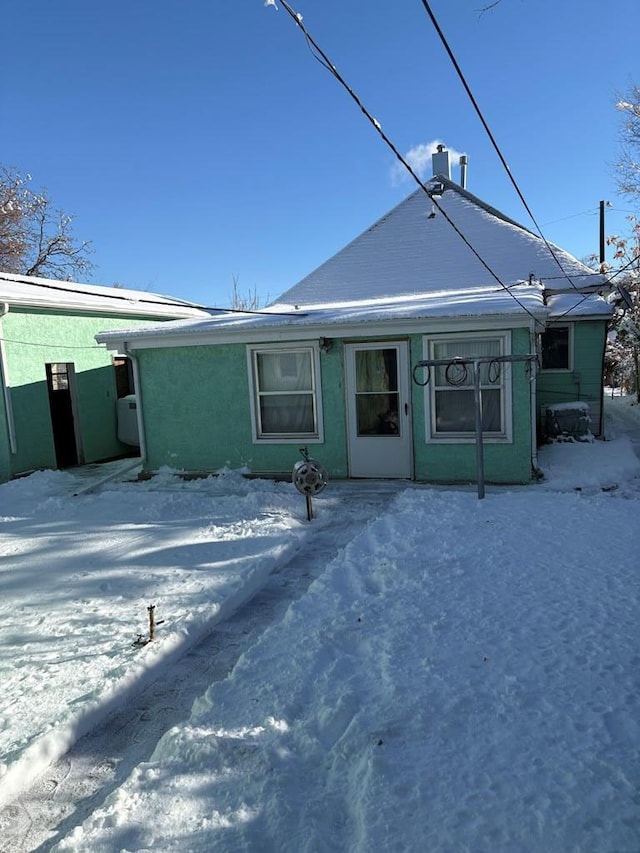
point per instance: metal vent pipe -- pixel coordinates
(464, 161)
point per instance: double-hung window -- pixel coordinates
(555, 345)
(451, 398)
(285, 393)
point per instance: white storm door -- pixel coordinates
(378, 413)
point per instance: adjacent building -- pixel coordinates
(58, 388)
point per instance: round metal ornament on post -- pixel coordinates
(309, 477)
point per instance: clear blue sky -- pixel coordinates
(195, 140)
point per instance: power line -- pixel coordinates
(610, 278)
(324, 60)
(592, 212)
(492, 138)
(81, 292)
(585, 296)
(582, 275)
(48, 346)
(625, 267)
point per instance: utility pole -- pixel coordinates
(603, 204)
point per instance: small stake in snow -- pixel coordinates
(152, 621)
(140, 641)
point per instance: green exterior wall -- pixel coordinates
(34, 338)
(196, 404)
(584, 380)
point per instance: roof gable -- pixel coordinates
(409, 266)
(414, 250)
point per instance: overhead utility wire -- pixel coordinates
(592, 212)
(611, 277)
(625, 267)
(324, 60)
(493, 141)
(49, 346)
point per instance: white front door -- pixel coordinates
(378, 412)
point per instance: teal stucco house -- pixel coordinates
(58, 388)
(333, 363)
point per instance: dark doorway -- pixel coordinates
(61, 385)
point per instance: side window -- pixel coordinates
(555, 347)
(285, 391)
(58, 376)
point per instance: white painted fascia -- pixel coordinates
(129, 309)
(308, 332)
(21, 291)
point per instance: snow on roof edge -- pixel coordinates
(33, 291)
(463, 306)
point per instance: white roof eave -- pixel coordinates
(19, 291)
(128, 309)
(159, 338)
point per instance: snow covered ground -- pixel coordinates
(464, 675)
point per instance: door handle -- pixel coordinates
(406, 408)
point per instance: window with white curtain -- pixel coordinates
(451, 387)
(285, 393)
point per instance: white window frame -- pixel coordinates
(505, 436)
(315, 437)
(569, 367)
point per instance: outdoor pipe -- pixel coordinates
(8, 410)
(138, 392)
(533, 397)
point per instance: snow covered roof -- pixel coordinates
(414, 249)
(410, 266)
(573, 304)
(480, 306)
(32, 292)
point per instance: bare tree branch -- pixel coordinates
(249, 301)
(35, 237)
(622, 356)
(628, 166)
